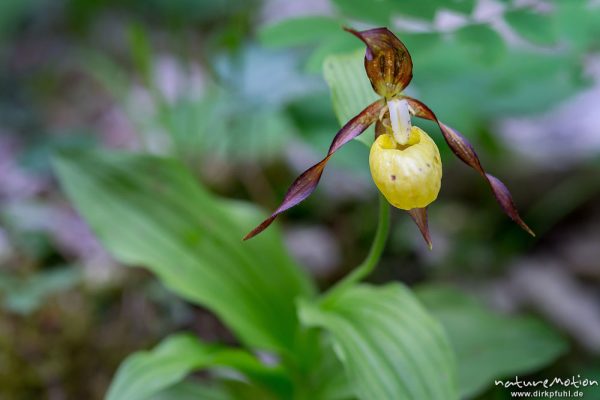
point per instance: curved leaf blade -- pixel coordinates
(389, 345)
(149, 211)
(148, 373)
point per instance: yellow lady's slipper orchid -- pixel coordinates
(405, 162)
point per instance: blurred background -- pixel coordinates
(234, 89)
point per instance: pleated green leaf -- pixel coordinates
(390, 347)
(149, 211)
(489, 346)
(350, 88)
(147, 374)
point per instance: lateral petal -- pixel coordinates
(461, 147)
(307, 182)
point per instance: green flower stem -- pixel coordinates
(369, 264)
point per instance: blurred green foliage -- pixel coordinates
(468, 75)
(490, 346)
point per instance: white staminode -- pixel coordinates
(400, 118)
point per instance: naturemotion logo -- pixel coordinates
(575, 382)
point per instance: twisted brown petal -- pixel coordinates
(306, 183)
(419, 216)
(461, 147)
(387, 61)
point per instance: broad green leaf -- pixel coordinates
(578, 22)
(299, 31)
(483, 43)
(350, 88)
(462, 6)
(419, 43)
(380, 12)
(375, 11)
(148, 373)
(149, 211)
(532, 26)
(390, 347)
(338, 43)
(332, 381)
(421, 9)
(489, 346)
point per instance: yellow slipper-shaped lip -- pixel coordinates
(409, 176)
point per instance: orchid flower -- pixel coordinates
(404, 161)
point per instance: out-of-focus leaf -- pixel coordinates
(141, 51)
(350, 88)
(462, 6)
(515, 83)
(389, 345)
(332, 380)
(378, 12)
(484, 43)
(244, 120)
(532, 26)
(381, 12)
(189, 12)
(149, 211)
(106, 71)
(241, 121)
(25, 296)
(265, 77)
(299, 31)
(247, 391)
(565, 197)
(11, 14)
(221, 126)
(420, 42)
(420, 9)
(578, 22)
(147, 373)
(490, 346)
(339, 43)
(188, 390)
